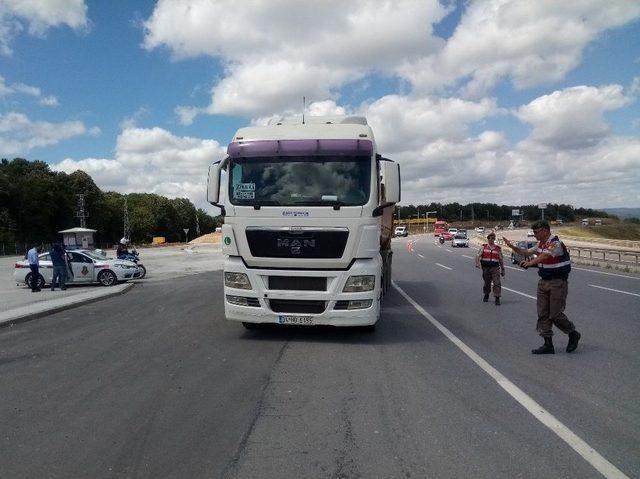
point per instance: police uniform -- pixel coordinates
(491, 262)
(553, 287)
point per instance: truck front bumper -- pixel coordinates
(326, 307)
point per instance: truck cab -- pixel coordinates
(308, 212)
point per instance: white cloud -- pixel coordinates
(529, 43)
(18, 134)
(21, 88)
(153, 160)
(404, 123)
(573, 117)
(37, 16)
(276, 52)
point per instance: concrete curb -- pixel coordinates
(38, 310)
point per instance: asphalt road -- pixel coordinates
(156, 384)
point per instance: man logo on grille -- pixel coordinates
(296, 246)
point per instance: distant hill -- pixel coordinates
(623, 212)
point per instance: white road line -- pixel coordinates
(420, 255)
(443, 266)
(518, 292)
(541, 414)
(615, 290)
(602, 272)
(470, 257)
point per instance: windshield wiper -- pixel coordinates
(335, 203)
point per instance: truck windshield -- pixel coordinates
(300, 181)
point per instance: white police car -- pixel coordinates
(83, 266)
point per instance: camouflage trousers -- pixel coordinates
(552, 299)
(491, 274)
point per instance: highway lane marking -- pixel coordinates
(616, 290)
(470, 257)
(443, 266)
(518, 292)
(588, 453)
(420, 255)
(603, 272)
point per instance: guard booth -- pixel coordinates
(76, 238)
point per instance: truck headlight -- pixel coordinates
(356, 284)
(237, 280)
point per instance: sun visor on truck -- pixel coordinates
(347, 147)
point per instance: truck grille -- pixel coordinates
(297, 306)
(300, 283)
(302, 243)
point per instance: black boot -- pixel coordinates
(574, 337)
(486, 298)
(498, 301)
(546, 348)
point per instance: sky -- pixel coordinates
(509, 102)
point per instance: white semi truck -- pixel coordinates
(308, 208)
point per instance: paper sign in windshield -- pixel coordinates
(244, 191)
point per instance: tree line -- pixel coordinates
(485, 212)
(36, 203)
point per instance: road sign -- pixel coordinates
(515, 212)
(186, 230)
(542, 206)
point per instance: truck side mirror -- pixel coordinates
(391, 181)
(213, 182)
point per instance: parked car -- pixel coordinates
(480, 229)
(460, 241)
(530, 234)
(401, 231)
(83, 266)
(517, 258)
(453, 231)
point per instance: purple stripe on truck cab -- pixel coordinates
(300, 148)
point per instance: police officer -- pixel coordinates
(554, 266)
(59, 261)
(490, 258)
(34, 264)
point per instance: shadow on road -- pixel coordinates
(399, 323)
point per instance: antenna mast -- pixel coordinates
(127, 228)
(82, 214)
(304, 106)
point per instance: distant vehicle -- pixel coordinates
(585, 222)
(83, 266)
(439, 227)
(530, 234)
(598, 222)
(462, 231)
(453, 231)
(460, 241)
(446, 236)
(401, 231)
(517, 258)
(480, 229)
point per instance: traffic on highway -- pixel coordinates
(445, 387)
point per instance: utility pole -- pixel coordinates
(127, 228)
(197, 225)
(81, 213)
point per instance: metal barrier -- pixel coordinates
(605, 254)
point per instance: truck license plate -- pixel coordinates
(306, 320)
